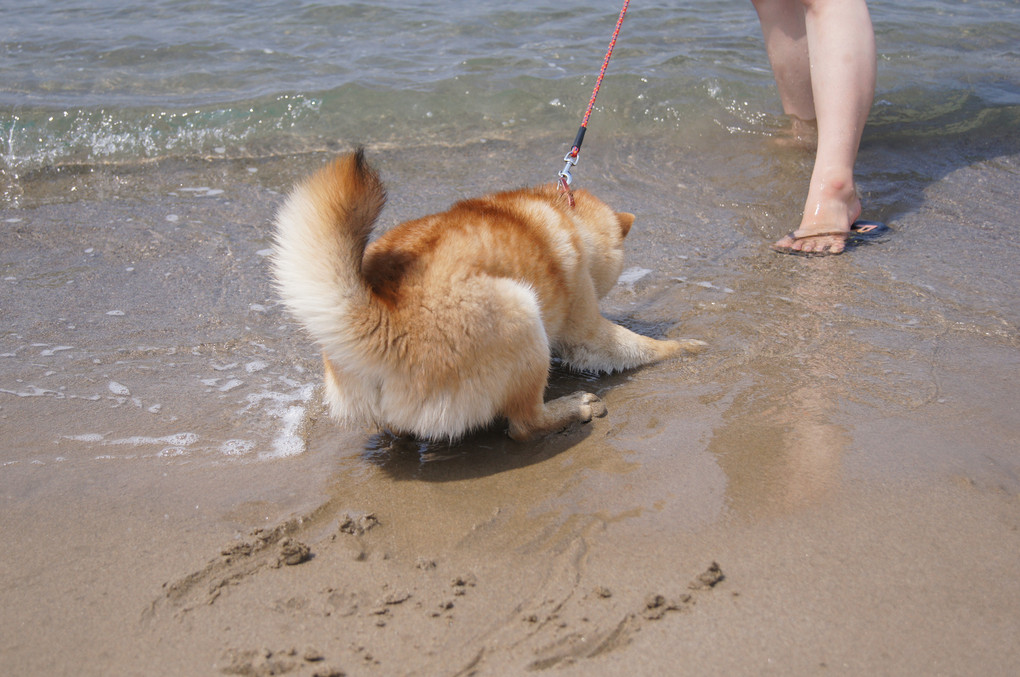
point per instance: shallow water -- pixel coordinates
(145, 363)
(145, 331)
(235, 80)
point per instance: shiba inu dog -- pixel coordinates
(447, 322)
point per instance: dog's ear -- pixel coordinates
(626, 220)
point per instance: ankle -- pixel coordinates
(832, 204)
(834, 186)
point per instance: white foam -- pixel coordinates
(632, 275)
(254, 366)
(708, 285)
(185, 439)
(115, 313)
(52, 351)
(237, 447)
(34, 391)
(173, 445)
(203, 190)
(87, 437)
(118, 389)
(264, 252)
(230, 385)
(275, 416)
(289, 409)
(288, 442)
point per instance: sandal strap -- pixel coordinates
(793, 234)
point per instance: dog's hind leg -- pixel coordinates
(531, 417)
(516, 358)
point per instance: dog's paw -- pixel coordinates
(691, 346)
(591, 406)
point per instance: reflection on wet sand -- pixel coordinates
(780, 442)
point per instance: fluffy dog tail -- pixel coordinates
(321, 234)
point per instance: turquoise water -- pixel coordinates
(115, 82)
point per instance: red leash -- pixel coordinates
(571, 157)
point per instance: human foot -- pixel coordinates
(819, 244)
(798, 135)
(826, 243)
(831, 207)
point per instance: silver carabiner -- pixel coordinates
(570, 159)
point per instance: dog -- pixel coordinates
(445, 323)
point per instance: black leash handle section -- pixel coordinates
(576, 146)
(571, 157)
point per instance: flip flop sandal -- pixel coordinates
(861, 232)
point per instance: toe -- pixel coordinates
(692, 346)
(811, 245)
(593, 406)
(821, 244)
(784, 243)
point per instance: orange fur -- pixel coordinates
(447, 322)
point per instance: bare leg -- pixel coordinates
(836, 40)
(782, 24)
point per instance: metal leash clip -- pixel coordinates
(571, 160)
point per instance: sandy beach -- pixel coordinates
(833, 487)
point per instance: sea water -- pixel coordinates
(144, 148)
(116, 82)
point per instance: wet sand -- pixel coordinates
(833, 486)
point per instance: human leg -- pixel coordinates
(840, 50)
(782, 26)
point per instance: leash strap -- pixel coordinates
(570, 158)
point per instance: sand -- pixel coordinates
(833, 486)
(908, 579)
